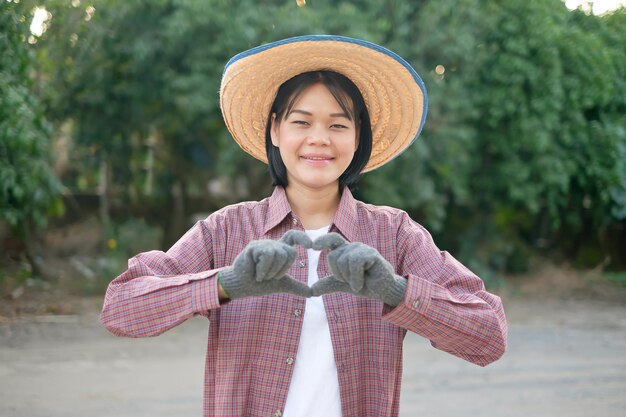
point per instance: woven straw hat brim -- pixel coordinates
(393, 92)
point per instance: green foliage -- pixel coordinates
(28, 189)
(123, 241)
(131, 237)
(617, 278)
(524, 149)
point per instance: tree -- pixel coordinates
(29, 192)
(523, 148)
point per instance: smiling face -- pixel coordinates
(316, 139)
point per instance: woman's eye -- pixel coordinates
(338, 126)
(300, 122)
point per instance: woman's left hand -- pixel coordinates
(358, 269)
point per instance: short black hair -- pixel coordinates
(351, 101)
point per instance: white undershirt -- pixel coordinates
(314, 389)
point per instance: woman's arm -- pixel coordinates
(161, 290)
(446, 302)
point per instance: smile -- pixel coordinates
(317, 160)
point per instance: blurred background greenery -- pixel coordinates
(112, 140)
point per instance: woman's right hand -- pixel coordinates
(261, 268)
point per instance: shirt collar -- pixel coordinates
(346, 216)
(278, 209)
(345, 219)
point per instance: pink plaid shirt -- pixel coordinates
(253, 341)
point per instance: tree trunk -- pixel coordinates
(30, 250)
(176, 224)
(104, 189)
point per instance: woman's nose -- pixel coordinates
(318, 135)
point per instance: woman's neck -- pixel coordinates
(314, 207)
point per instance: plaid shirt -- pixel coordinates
(252, 342)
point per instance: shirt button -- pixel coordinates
(278, 413)
(294, 221)
(301, 264)
(289, 361)
(416, 303)
(297, 312)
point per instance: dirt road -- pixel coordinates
(564, 359)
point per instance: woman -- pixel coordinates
(309, 292)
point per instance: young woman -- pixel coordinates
(309, 292)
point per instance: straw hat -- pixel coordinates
(394, 93)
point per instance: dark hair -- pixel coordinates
(351, 101)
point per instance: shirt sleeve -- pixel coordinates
(160, 290)
(444, 301)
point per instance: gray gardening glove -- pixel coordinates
(358, 269)
(261, 268)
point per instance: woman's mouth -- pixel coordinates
(317, 160)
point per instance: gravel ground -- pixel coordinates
(565, 358)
